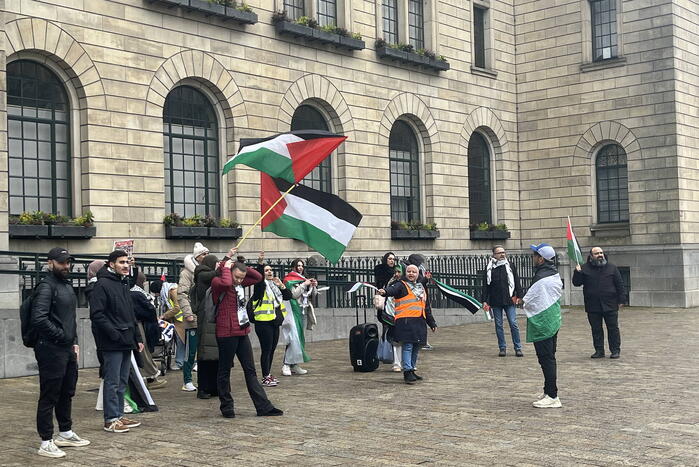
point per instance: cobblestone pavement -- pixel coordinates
(473, 408)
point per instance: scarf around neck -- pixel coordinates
(273, 292)
(418, 289)
(495, 263)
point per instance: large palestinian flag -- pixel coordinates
(465, 300)
(290, 156)
(542, 304)
(322, 221)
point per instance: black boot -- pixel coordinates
(615, 354)
(597, 354)
(417, 377)
(409, 377)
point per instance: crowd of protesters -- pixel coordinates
(206, 317)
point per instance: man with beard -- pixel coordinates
(604, 295)
(56, 351)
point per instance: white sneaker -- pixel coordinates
(297, 370)
(189, 387)
(74, 441)
(397, 368)
(547, 403)
(51, 450)
(127, 408)
(194, 368)
(286, 370)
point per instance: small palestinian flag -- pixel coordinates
(322, 221)
(573, 248)
(290, 156)
(459, 297)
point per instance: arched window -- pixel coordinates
(479, 185)
(307, 117)
(190, 141)
(38, 135)
(612, 185)
(405, 173)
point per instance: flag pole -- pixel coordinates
(263, 215)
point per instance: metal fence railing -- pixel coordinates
(463, 272)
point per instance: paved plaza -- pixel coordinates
(473, 408)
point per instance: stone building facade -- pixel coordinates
(510, 134)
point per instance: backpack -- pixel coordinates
(193, 301)
(211, 308)
(30, 335)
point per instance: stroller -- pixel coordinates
(164, 351)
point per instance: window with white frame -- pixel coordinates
(327, 12)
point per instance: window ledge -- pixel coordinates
(180, 232)
(490, 234)
(487, 72)
(421, 234)
(412, 58)
(292, 29)
(50, 231)
(617, 229)
(212, 9)
(603, 64)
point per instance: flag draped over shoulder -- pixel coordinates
(574, 252)
(321, 220)
(290, 156)
(463, 299)
(542, 304)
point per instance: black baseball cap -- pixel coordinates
(60, 254)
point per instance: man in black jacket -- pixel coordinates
(501, 292)
(116, 336)
(604, 295)
(56, 351)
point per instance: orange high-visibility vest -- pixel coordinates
(410, 306)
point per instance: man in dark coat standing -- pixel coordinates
(56, 351)
(501, 292)
(604, 295)
(116, 336)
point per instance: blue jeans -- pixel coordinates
(410, 352)
(180, 351)
(116, 368)
(511, 313)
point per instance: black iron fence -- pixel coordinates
(463, 272)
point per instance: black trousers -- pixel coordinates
(546, 354)
(268, 334)
(228, 348)
(58, 375)
(611, 319)
(207, 375)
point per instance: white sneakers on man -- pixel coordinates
(50, 449)
(286, 370)
(547, 403)
(189, 387)
(73, 440)
(297, 370)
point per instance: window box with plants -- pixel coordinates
(405, 53)
(413, 231)
(197, 226)
(486, 231)
(40, 224)
(225, 9)
(309, 29)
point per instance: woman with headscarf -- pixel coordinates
(302, 291)
(171, 311)
(207, 347)
(384, 274)
(269, 310)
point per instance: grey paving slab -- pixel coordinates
(473, 408)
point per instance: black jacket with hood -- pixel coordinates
(603, 287)
(53, 311)
(112, 314)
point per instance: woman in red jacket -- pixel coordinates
(232, 329)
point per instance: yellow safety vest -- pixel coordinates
(179, 314)
(410, 306)
(264, 309)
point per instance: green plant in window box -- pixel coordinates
(194, 221)
(86, 220)
(173, 219)
(227, 223)
(378, 43)
(279, 17)
(356, 35)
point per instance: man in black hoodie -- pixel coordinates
(56, 351)
(604, 295)
(116, 336)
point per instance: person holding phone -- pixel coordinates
(604, 293)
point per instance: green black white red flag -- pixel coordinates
(290, 156)
(574, 252)
(323, 221)
(463, 299)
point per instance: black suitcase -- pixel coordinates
(363, 344)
